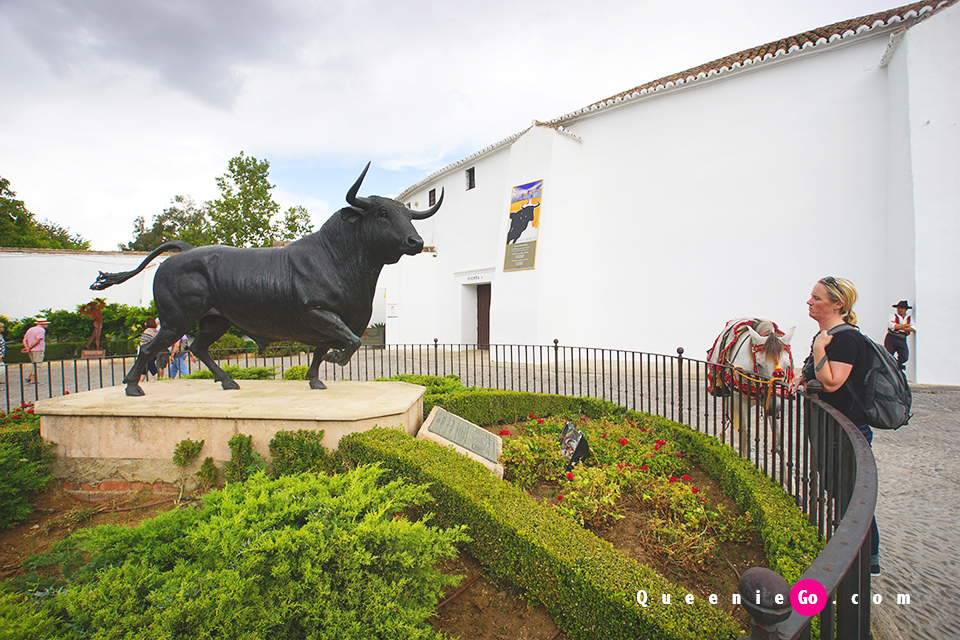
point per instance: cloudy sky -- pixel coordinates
(110, 108)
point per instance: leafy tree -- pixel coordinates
(182, 220)
(18, 228)
(243, 215)
(296, 224)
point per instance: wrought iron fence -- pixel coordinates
(812, 451)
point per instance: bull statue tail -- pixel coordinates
(105, 280)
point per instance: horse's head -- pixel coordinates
(772, 352)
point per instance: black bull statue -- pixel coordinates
(318, 290)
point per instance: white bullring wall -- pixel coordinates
(933, 88)
(665, 217)
(35, 279)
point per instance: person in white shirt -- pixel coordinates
(900, 326)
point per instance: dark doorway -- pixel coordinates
(483, 316)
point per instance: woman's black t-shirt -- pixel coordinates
(847, 346)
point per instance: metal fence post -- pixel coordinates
(436, 366)
(680, 380)
(556, 366)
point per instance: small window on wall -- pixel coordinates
(433, 197)
(471, 178)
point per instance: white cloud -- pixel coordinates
(112, 108)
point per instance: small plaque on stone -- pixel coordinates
(446, 428)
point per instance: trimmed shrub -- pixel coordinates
(306, 556)
(296, 372)
(238, 373)
(244, 461)
(586, 584)
(294, 452)
(24, 463)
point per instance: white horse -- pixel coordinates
(754, 353)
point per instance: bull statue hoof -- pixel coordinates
(316, 384)
(134, 390)
(229, 384)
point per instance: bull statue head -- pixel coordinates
(389, 218)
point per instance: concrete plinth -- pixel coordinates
(107, 438)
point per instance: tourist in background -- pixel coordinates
(34, 345)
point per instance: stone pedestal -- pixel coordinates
(110, 441)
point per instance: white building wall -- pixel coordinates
(32, 280)
(731, 199)
(666, 216)
(929, 52)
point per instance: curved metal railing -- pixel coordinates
(812, 451)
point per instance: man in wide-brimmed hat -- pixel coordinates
(900, 326)
(34, 345)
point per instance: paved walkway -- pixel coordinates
(918, 511)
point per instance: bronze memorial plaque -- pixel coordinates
(465, 434)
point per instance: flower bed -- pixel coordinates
(587, 585)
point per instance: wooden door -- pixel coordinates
(483, 316)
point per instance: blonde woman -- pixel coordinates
(839, 360)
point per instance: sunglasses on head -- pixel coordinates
(830, 280)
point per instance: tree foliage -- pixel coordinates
(245, 214)
(182, 220)
(19, 228)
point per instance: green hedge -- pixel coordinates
(24, 463)
(71, 350)
(586, 584)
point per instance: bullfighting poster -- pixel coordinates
(524, 227)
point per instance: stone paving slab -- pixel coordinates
(918, 511)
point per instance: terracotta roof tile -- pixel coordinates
(807, 39)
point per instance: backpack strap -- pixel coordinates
(849, 383)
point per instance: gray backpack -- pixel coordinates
(886, 396)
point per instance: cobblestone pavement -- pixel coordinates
(918, 510)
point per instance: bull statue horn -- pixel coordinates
(352, 198)
(423, 215)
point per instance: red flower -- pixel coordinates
(570, 475)
(673, 478)
(531, 416)
(644, 468)
(694, 489)
(560, 497)
(620, 466)
(30, 411)
(583, 419)
(633, 426)
(504, 432)
(662, 443)
(679, 455)
(656, 447)
(644, 429)
(686, 477)
(623, 441)
(540, 421)
(703, 499)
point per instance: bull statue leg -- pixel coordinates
(163, 339)
(313, 373)
(334, 333)
(211, 329)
